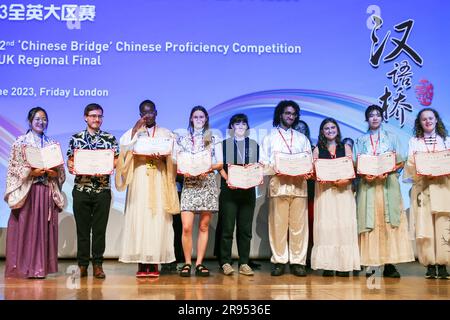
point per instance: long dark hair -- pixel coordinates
(322, 141)
(207, 136)
(440, 127)
(32, 113)
(279, 109)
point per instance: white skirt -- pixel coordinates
(335, 229)
(147, 236)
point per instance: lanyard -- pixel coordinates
(374, 149)
(239, 151)
(292, 134)
(333, 154)
(193, 141)
(153, 134)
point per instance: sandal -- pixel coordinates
(185, 270)
(201, 271)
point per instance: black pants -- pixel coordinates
(91, 211)
(178, 231)
(236, 207)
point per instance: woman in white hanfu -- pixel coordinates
(151, 199)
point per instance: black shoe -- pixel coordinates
(431, 272)
(168, 268)
(342, 273)
(390, 271)
(442, 272)
(328, 273)
(277, 269)
(298, 270)
(356, 273)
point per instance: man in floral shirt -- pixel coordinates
(91, 194)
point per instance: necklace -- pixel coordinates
(332, 154)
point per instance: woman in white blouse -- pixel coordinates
(430, 208)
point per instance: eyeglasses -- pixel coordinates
(40, 120)
(95, 116)
(293, 114)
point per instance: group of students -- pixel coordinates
(371, 230)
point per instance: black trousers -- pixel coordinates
(236, 208)
(91, 211)
(178, 231)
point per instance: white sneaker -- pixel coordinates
(246, 270)
(227, 269)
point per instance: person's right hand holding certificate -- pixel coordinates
(433, 164)
(297, 164)
(93, 162)
(376, 165)
(245, 177)
(194, 164)
(330, 170)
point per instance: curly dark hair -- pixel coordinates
(440, 127)
(279, 109)
(321, 140)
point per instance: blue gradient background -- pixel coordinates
(331, 77)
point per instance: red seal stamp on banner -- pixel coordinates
(424, 92)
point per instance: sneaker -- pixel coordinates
(442, 272)
(431, 272)
(298, 270)
(277, 269)
(152, 271)
(246, 270)
(328, 273)
(227, 269)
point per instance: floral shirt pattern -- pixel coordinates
(100, 141)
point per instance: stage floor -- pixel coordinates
(121, 284)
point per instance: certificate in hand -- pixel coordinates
(44, 158)
(334, 169)
(376, 165)
(147, 146)
(92, 162)
(298, 164)
(245, 177)
(433, 163)
(194, 164)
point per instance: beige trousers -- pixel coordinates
(436, 250)
(288, 229)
